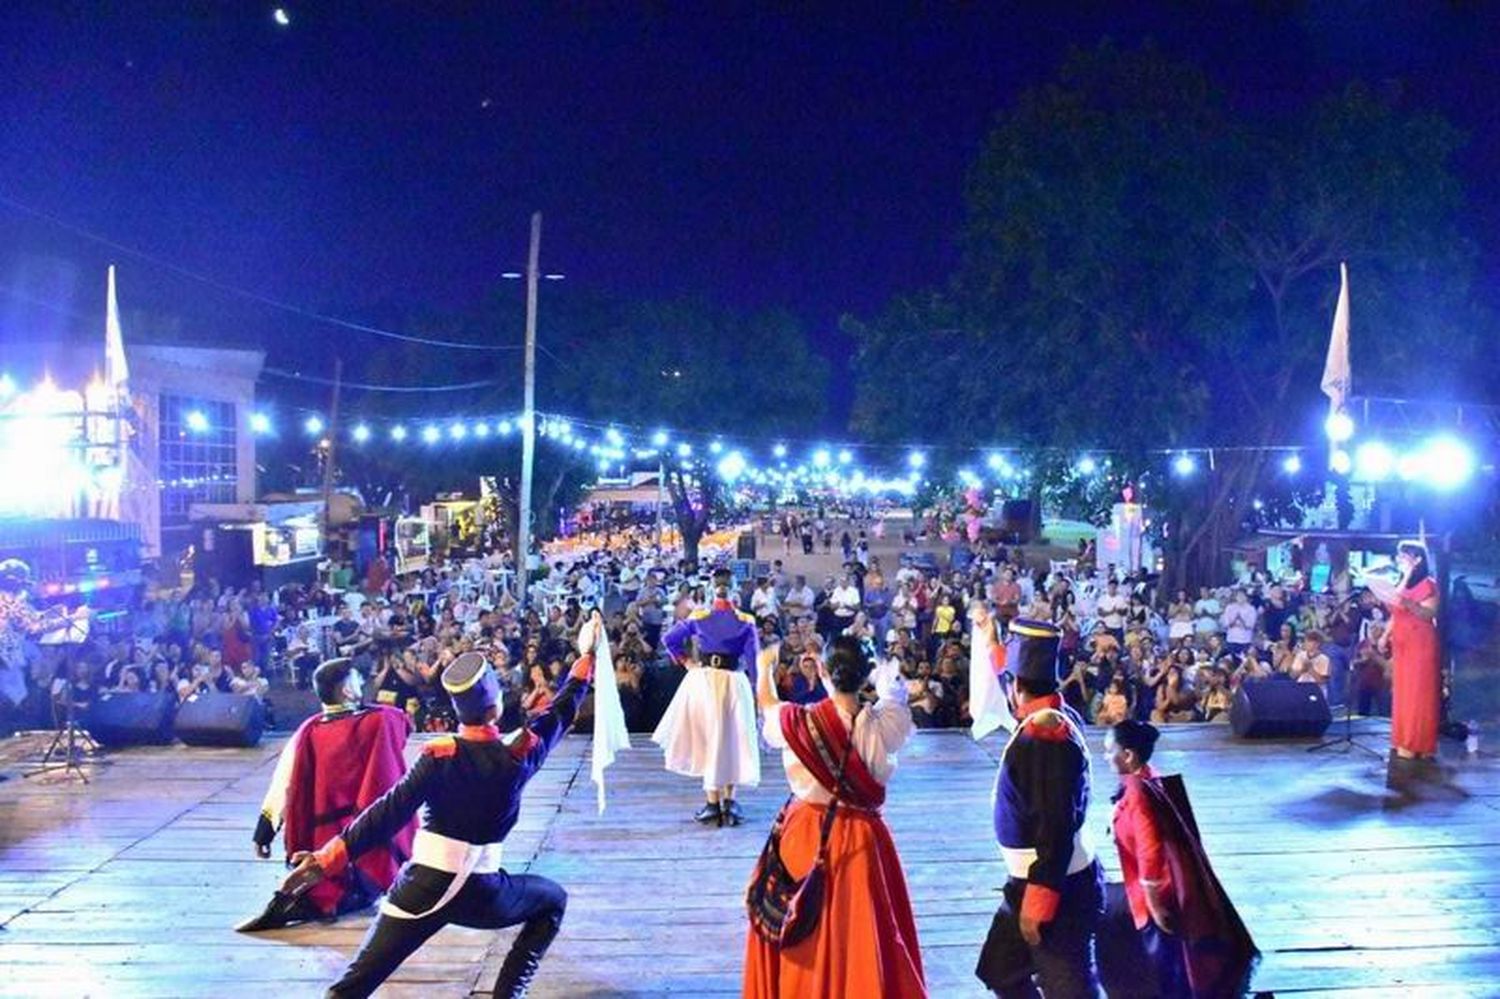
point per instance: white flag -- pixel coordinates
(987, 704)
(116, 372)
(1337, 378)
(610, 734)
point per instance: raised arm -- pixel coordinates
(765, 685)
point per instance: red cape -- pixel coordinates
(341, 766)
(1219, 952)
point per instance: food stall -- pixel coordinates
(273, 543)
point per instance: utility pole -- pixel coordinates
(330, 453)
(661, 486)
(528, 417)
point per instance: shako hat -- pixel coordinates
(472, 685)
(1031, 650)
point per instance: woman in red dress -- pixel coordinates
(864, 943)
(1413, 644)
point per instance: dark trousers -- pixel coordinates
(486, 902)
(1062, 967)
(1138, 963)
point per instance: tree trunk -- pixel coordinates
(691, 535)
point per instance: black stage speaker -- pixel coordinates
(1279, 709)
(220, 720)
(745, 548)
(131, 718)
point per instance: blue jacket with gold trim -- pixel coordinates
(720, 630)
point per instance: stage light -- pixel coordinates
(1087, 466)
(1292, 464)
(967, 477)
(7, 386)
(361, 433)
(916, 459)
(281, 17)
(1339, 427)
(1184, 465)
(821, 458)
(196, 421)
(659, 439)
(504, 428)
(398, 434)
(481, 430)
(684, 450)
(613, 436)
(1446, 463)
(996, 462)
(845, 457)
(458, 431)
(1340, 461)
(1258, 505)
(313, 425)
(715, 447)
(431, 434)
(260, 423)
(779, 450)
(1374, 461)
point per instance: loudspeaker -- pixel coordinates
(131, 718)
(745, 547)
(220, 720)
(1279, 709)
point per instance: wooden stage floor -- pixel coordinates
(128, 886)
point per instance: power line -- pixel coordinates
(367, 387)
(244, 292)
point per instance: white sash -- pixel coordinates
(442, 853)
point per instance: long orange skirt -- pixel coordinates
(865, 942)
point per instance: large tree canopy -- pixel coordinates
(1144, 267)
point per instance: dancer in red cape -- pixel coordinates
(335, 765)
(1192, 936)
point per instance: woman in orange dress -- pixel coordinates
(864, 943)
(1413, 643)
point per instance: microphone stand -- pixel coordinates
(1345, 742)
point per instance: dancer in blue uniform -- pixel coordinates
(1041, 941)
(469, 787)
(708, 730)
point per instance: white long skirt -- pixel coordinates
(709, 731)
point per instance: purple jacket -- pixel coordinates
(722, 630)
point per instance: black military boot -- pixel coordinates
(526, 956)
(733, 816)
(709, 814)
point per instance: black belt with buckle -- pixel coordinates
(718, 660)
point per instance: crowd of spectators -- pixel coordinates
(1128, 648)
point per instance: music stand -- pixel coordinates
(72, 742)
(1344, 743)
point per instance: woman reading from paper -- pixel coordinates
(1413, 643)
(860, 938)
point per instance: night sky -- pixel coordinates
(378, 160)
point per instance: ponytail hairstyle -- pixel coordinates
(847, 665)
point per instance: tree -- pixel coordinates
(694, 369)
(1144, 269)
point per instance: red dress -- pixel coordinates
(865, 943)
(1415, 680)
